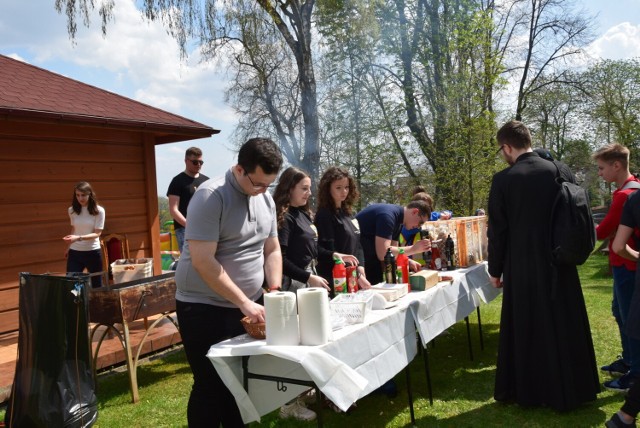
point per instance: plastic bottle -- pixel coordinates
(403, 265)
(339, 276)
(449, 252)
(389, 267)
(424, 234)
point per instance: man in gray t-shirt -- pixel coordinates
(240, 224)
(231, 250)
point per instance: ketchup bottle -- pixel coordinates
(339, 277)
(403, 265)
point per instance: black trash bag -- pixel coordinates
(54, 384)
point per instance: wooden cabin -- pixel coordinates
(54, 132)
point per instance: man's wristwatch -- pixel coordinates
(79, 237)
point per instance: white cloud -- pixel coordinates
(17, 57)
(621, 41)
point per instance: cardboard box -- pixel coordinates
(469, 235)
(423, 280)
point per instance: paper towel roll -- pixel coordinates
(281, 319)
(313, 313)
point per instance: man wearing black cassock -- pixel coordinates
(545, 355)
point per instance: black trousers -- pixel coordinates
(631, 404)
(211, 404)
(77, 261)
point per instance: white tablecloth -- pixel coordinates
(440, 307)
(359, 358)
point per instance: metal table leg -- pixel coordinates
(480, 329)
(425, 358)
(466, 320)
(409, 393)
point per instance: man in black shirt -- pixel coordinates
(182, 188)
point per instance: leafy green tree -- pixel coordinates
(163, 213)
(444, 62)
(360, 130)
(556, 113)
(346, 29)
(613, 89)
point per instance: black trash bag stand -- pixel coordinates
(54, 383)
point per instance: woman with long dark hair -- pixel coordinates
(297, 234)
(87, 222)
(337, 228)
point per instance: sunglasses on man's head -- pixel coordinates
(196, 162)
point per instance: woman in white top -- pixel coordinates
(87, 222)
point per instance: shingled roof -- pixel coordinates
(31, 93)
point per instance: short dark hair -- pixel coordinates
(515, 134)
(193, 151)
(423, 207)
(260, 152)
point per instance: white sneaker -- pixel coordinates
(298, 411)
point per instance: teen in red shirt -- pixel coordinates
(613, 167)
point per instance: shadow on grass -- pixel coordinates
(494, 414)
(596, 268)
(114, 384)
(453, 373)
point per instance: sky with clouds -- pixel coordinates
(140, 61)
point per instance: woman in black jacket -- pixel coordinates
(337, 228)
(297, 234)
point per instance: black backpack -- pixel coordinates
(573, 233)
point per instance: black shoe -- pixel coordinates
(622, 384)
(617, 368)
(616, 422)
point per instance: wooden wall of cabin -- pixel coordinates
(40, 165)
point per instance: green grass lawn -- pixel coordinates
(462, 389)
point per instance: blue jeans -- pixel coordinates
(180, 238)
(623, 285)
